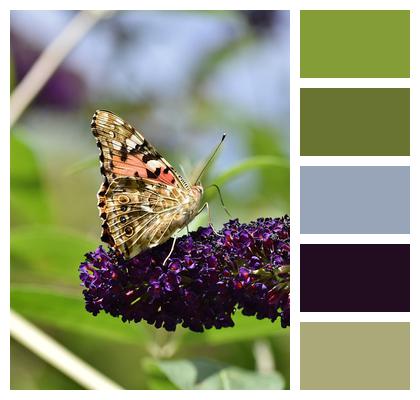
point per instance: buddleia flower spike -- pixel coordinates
(208, 277)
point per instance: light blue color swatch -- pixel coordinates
(355, 200)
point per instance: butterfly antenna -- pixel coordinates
(211, 158)
(221, 198)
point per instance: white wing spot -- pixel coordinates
(130, 143)
(116, 145)
(135, 139)
(154, 164)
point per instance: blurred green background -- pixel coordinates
(182, 78)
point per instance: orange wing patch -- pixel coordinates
(134, 165)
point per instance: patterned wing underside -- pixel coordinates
(138, 213)
(125, 152)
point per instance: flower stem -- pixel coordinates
(57, 355)
(49, 61)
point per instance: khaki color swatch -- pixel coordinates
(355, 355)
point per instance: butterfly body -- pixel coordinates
(143, 201)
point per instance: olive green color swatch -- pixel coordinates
(355, 355)
(355, 44)
(355, 122)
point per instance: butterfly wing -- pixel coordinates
(125, 152)
(142, 200)
(139, 214)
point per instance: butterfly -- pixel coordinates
(143, 200)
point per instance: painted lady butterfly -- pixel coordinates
(143, 201)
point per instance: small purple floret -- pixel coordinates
(207, 278)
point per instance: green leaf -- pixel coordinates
(67, 311)
(233, 378)
(24, 165)
(182, 373)
(160, 384)
(248, 165)
(185, 374)
(47, 254)
(155, 378)
(246, 328)
(27, 197)
(263, 140)
(208, 374)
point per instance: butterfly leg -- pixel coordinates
(171, 251)
(221, 198)
(206, 206)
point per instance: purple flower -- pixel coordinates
(206, 279)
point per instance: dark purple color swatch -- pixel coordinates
(354, 277)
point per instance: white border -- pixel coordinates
(5, 209)
(294, 198)
(354, 161)
(355, 317)
(414, 199)
(214, 5)
(326, 83)
(294, 6)
(355, 239)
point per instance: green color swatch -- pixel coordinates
(355, 122)
(355, 44)
(355, 355)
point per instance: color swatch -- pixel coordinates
(350, 355)
(355, 277)
(355, 199)
(355, 122)
(355, 44)
(364, 195)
